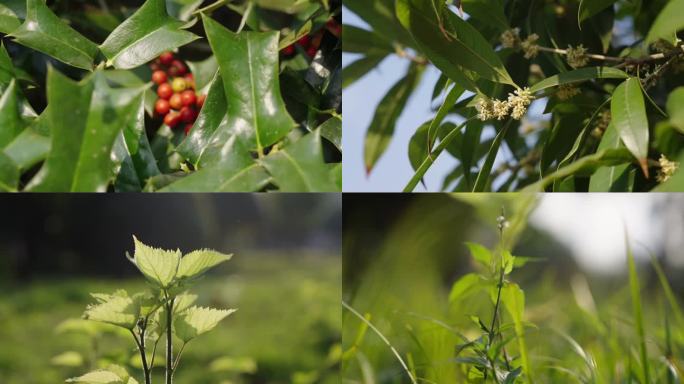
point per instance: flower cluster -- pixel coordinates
(567, 91)
(530, 47)
(511, 39)
(667, 169)
(516, 105)
(577, 56)
(601, 123)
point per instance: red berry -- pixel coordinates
(176, 101)
(188, 127)
(162, 107)
(182, 69)
(334, 27)
(155, 66)
(188, 114)
(166, 58)
(200, 100)
(289, 50)
(312, 51)
(304, 41)
(165, 91)
(173, 71)
(159, 77)
(172, 119)
(189, 98)
(190, 80)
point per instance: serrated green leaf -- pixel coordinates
(299, 167)
(196, 263)
(236, 171)
(578, 75)
(119, 310)
(11, 122)
(629, 116)
(669, 21)
(589, 8)
(204, 71)
(248, 63)
(158, 265)
(98, 377)
(46, 32)
(453, 44)
(82, 140)
(32, 145)
(145, 35)
(386, 115)
(198, 320)
(9, 174)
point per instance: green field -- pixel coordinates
(287, 328)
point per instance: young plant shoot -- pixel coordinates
(164, 311)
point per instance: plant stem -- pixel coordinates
(141, 347)
(169, 342)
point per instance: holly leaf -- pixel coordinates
(248, 63)
(145, 35)
(9, 174)
(83, 130)
(8, 19)
(11, 122)
(299, 167)
(158, 265)
(196, 263)
(331, 129)
(198, 320)
(46, 32)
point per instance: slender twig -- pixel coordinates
(401, 52)
(178, 356)
(169, 341)
(154, 350)
(141, 347)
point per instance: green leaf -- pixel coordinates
(68, 359)
(144, 36)
(514, 300)
(483, 176)
(248, 63)
(589, 8)
(578, 75)
(417, 151)
(30, 147)
(359, 40)
(8, 20)
(11, 122)
(203, 72)
(9, 174)
(480, 253)
(449, 102)
(46, 32)
(669, 21)
(456, 45)
(299, 167)
(615, 178)
(359, 68)
(196, 263)
(118, 309)
(158, 265)
(235, 172)
(490, 12)
(331, 130)
(629, 116)
(198, 320)
(380, 15)
(98, 377)
(675, 101)
(82, 140)
(635, 292)
(386, 115)
(465, 286)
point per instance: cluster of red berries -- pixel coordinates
(311, 43)
(178, 103)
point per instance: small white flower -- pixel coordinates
(519, 102)
(510, 38)
(501, 108)
(484, 109)
(667, 169)
(530, 47)
(576, 57)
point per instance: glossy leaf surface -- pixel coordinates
(629, 116)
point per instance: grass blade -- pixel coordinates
(638, 313)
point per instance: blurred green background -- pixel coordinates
(284, 278)
(403, 253)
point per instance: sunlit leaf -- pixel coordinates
(198, 320)
(158, 265)
(195, 263)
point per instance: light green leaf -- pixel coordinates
(675, 102)
(669, 21)
(98, 377)
(449, 102)
(198, 320)
(465, 286)
(118, 309)
(8, 20)
(196, 263)
(82, 140)
(589, 8)
(480, 253)
(629, 116)
(514, 300)
(158, 265)
(331, 130)
(578, 75)
(234, 364)
(46, 32)
(386, 115)
(452, 44)
(67, 359)
(248, 63)
(299, 167)
(144, 36)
